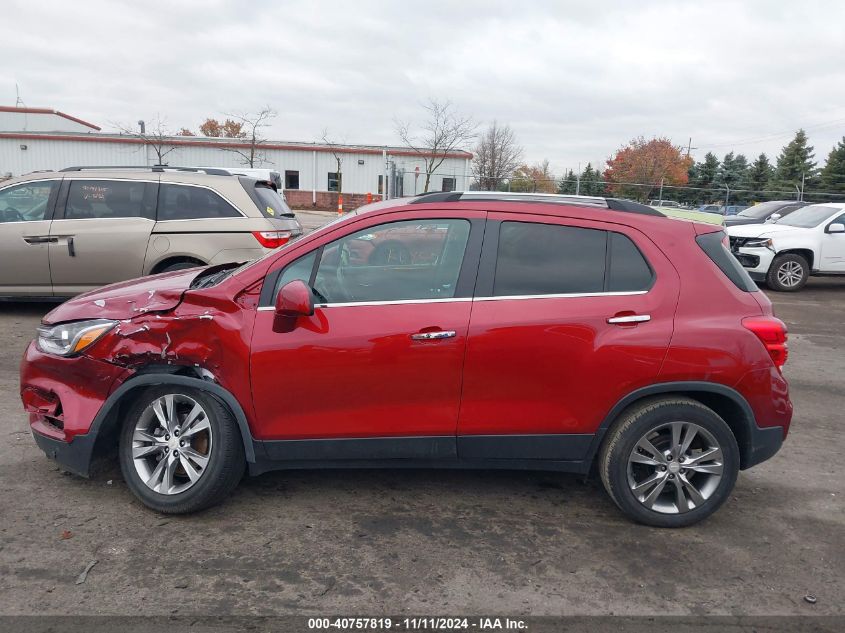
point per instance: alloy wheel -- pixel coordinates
(675, 467)
(171, 444)
(790, 274)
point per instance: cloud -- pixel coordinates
(574, 80)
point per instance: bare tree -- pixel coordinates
(338, 157)
(497, 155)
(156, 135)
(250, 126)
(443, 132)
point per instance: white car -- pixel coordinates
(809, 241)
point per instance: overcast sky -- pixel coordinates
(574, 80)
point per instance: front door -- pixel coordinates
(569, 316)
(102, 236)
(833, 249)
(25, 211)
(377, 368)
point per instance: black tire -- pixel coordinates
(636, 423)
(782, 266)
(226, 460)
(180, 266)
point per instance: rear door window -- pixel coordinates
(187, 202)
(105, 199)
(544, 259)
(628, 270)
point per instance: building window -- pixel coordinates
(291, 179)
(380, 184)
(333, 181)
(448, 184)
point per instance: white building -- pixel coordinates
(33, 139)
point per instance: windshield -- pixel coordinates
(808, 217)
(762, 210)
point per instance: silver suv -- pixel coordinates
(66, 232)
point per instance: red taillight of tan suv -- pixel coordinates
(272, 239)
(772, 333)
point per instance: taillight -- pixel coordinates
(772, 333)
(272, 239)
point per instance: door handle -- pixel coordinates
(40, 239)
(630, 318)
(433, 336)
(70, 248)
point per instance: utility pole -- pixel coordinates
(661, 190)
(801, 199)
(727, 196)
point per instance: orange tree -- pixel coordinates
(636, 170)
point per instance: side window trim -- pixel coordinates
(464, 287)
(489, 256)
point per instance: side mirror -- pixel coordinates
(774, 217)
(294, 300)
(836, 227)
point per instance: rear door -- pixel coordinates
(25, 213)
(101, 232)
(569, 316)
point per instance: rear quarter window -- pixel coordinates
(713, 246)
(628, 270)
(270, 202)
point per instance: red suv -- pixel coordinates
(452, 330)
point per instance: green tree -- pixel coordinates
(707, 174)
(795, 163)
(832, 177)
(567, 183)
(734, 174)
(760, 176)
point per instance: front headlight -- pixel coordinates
(67, 339)
(759, 243)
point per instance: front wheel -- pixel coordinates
(180, 450)
(789, 272)
(669, 462)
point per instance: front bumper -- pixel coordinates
(756, 261)
(62, 397)
(75, 456)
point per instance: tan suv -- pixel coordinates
(66, 232)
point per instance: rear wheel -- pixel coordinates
(669, 462)
(180, 450)
(789, 272)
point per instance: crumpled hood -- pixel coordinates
(761, 230)
(127, 299)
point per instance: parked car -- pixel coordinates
(808, 241)
(732, 209)
(763, 212)
(689, 214)
(712, 208)
(62, 233)
(530, 331)
(270, 175)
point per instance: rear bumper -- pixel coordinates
(762, 445)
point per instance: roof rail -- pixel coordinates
(212, 171)
(614, 204)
